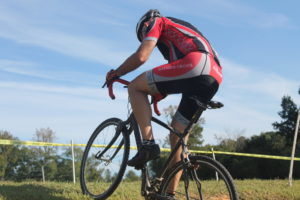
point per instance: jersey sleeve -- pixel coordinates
(154, 30)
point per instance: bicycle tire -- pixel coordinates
(86, 185)
(206, 165)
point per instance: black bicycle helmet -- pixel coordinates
(150, 14)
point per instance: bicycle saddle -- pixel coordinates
(209, 105)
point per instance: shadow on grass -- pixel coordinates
(30, 192)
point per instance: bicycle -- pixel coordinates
(202, 177)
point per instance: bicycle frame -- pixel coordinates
(181, 143)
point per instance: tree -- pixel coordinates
(288, 114)
(195, 138)
(7, 154)
(233, 141)
(24, 167)
(93, 171)
(270, 143)
(131, 176)
(65, 165)
(45, 155)
(45, 135)
(19, 162)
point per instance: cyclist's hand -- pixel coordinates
(110, 76)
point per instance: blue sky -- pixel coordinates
(54, 56)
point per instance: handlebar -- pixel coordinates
(155, 99)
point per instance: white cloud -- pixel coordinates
(22, 68)
(234, 71)
(273, 85)
(73, 112)
(241, 78)
(82, 92)
(25, 31)
(54, 73)
(88, 48)
(225, 12)
(232, 11)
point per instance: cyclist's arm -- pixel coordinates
(138, 58)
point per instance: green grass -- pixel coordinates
(268, 190)
(248, 190)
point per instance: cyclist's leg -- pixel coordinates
(138, 91)
(182, 118)
(177, 156)
(207, 87)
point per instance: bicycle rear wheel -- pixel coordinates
(104, 160)
(204, 179)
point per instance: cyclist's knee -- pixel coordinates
(139, 84)
(173, 137)
(178, 126)
(175, 124)
(131, 88)
(134, 87)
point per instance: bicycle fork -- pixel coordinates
(186, 165)
(196, 179)
(121, 127)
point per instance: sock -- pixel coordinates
(148, 142)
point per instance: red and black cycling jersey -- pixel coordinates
(193, 68)
(176, 38)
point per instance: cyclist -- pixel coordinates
(193, 69)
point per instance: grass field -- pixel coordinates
(248, 190)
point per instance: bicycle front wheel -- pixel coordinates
(104, 160)
(204, 179)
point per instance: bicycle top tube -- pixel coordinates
(155, 100)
